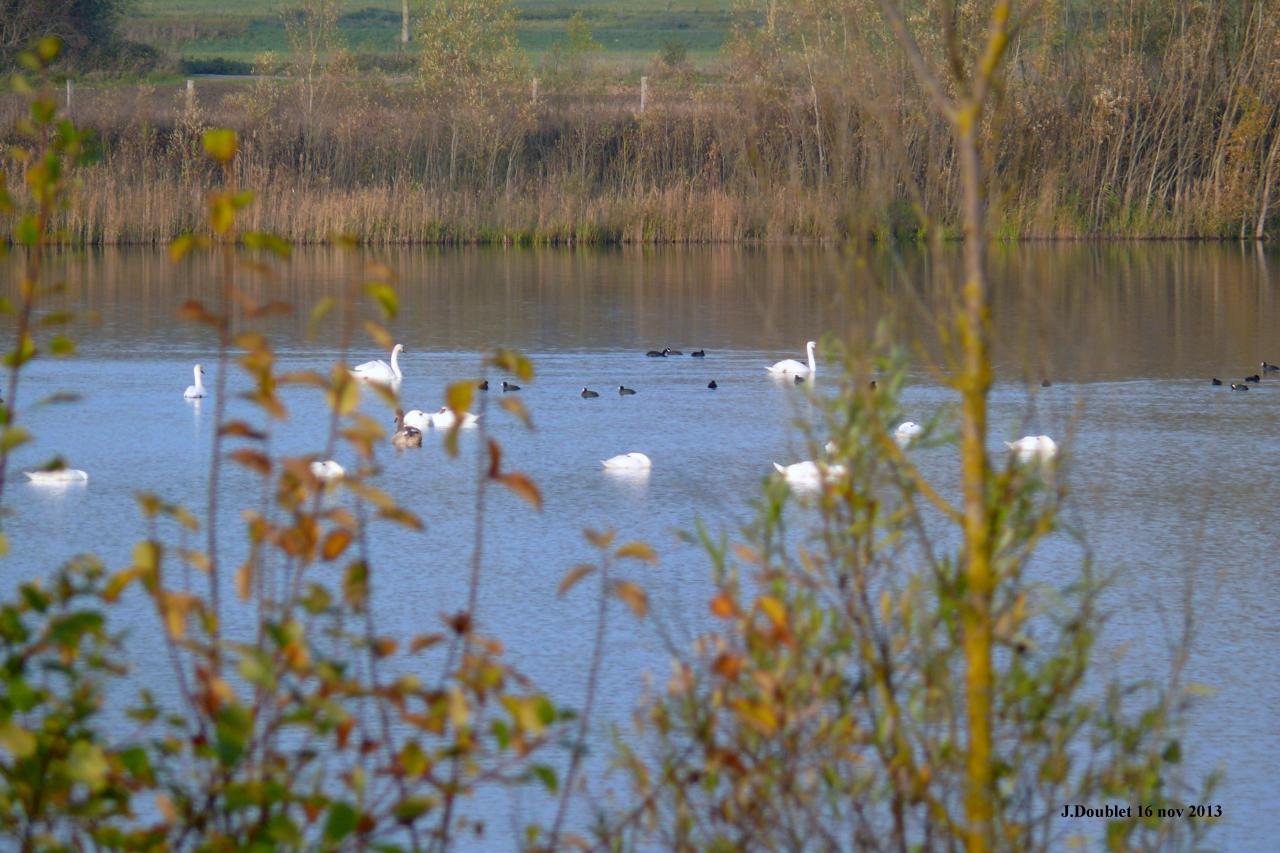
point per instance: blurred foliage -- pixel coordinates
(828, 709)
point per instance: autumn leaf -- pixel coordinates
(633, 596)
(574, 575)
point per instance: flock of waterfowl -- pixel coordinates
(1267, 367)
(410, 426)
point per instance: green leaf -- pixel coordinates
(27, 231)
(13, 437)
(48, 48)
(342, 820)
(547, 777)
(234, 726)
(62, 346)
(277, 246)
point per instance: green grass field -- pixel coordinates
(628, 30)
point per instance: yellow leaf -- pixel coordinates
(759, 715)
(221, 144)
(380, 335)
(637, 551)
(88, 764)
(459, 396)
(774, 609)
(633, 596)
(574, 575)
(18, 741)
(516, 407)
(458, 713)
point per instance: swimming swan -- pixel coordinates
(627, 462)
(327, 471)
(445, 419)
(1038, 447)
(906, 431)
(808, 474)
(195, 392)
(418, 419)
(58, 475)
(791, 367)
(379, 371)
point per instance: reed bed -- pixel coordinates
(1119, 123)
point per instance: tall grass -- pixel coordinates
(1118, 123)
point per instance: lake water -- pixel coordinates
(1171, 478)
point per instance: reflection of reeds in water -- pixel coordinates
(1068, 312)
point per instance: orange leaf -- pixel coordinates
(244, 581)
(335, 543)
(524, 487)
(722, 605)
(637, 551)
(252, 459)
(574, 575)
(633, 596)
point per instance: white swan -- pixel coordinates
(379, 371)
(906, 432)
(445, 419)
(195, 392)
(627, 462)
(791, 367)
(327, 471)
(418, 419)
(809, 475)
(1038, 447)
(58, 475)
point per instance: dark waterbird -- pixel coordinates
(1217, 381)
(587, 394)
(1254, 378)
(507, 386)
(653, 353)
(405, 436)
(483, 386)
(1239, 386)
(699, 353)
(1045, 383)
(670, 351)
(712, 385)
(1268, 367)
(625, 391)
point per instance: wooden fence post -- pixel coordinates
(191, 94)
(644, 92)
(70, 86)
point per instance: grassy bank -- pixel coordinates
(240, 30)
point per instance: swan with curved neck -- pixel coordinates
(379, 371)
(195, 392)
(791, 367)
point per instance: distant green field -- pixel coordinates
(242, 29)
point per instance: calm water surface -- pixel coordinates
(1171, 479)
